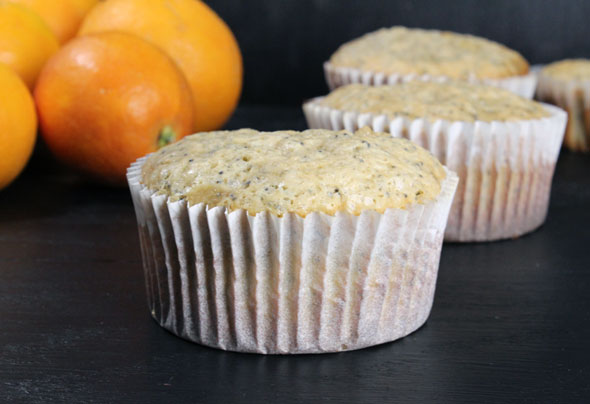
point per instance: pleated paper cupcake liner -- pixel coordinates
(523, 85)
(285, 285)
(574, 97)
(505, 168)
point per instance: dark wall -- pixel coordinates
(285, 42)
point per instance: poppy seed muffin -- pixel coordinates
(503, 147)
(567, 85)
(451, 101)
(327, 172)
(398, 54)
(291, 242)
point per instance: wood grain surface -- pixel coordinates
(510, 323)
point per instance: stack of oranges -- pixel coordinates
(111, 80)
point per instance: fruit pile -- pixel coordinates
(111, 80)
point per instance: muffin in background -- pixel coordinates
(399, 54)
(291, 242)
(567, 84)
(502, 146)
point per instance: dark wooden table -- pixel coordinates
(511, 320)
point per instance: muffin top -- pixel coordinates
(400, 50)
(569, 69)
(302, 172)
(452, 101)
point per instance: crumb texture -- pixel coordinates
(569, 69)
(301, 172)
(452, 101)
(400, 50)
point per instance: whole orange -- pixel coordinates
(18, 125)
(194, 36)
(25, 41)
(105, 100)
(60, 15)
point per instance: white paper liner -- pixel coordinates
(289, 284)
(536, 69)
(574, 97)
(505, 168)
(523, 85)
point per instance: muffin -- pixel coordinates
(567, 85)
(503, 147)
(398, 54)
(291, 242)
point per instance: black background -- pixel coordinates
(285, 42)
(510, 322)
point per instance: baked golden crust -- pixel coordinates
(568, 69)
(566, 84)
(404, 51)
(452, 101)
(301, 172)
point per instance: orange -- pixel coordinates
(194, 36)
(105, 100)
(83, 6)
(18, 125)
(25, 41)
(60, 15)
